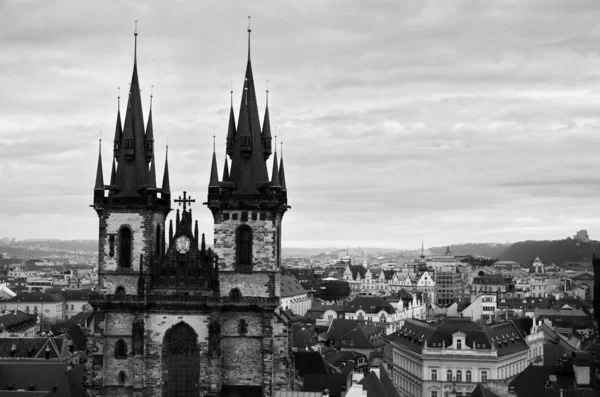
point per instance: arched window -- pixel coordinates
(459, 376)
(468, 376)
(120, 290)
(244, 246)
(235, 293)
(180, 361)
(449, 375)
(122, 377)
(120, 349)
(125, 247)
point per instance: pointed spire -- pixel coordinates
(118, 128)
(170, 232)
(177, 219)
(196, 231)
(99, 186)
(113, 173)
(135, 33)
(132, 172)
(226, 171)
(231, 132)
(249, 31)
(214, 175)
(275, 180)
(149, 138)
(248, 167)
(282, 176)
(266, 130)
(166, 186)
(203, 246)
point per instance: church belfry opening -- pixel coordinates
(125, 247)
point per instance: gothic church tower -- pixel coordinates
(174, 318)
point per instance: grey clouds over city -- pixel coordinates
(451, 121)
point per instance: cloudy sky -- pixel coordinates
(448, 120)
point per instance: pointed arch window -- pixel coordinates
(125, 247)
(244, 246)
(120, 349)
(180, 361)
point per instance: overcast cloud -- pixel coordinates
(448, 120)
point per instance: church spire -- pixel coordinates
(132, 172)
(248, 167)
(231, 129)
(266, 130)
(99, 186)
(166, 186)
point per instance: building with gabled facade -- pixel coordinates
(173, 317)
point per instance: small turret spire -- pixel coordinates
(282, 176)
(203, 246)
(166, 186)
(275, 180)
(113, 173)
(226, 171)
(99, 186)
(214, 175)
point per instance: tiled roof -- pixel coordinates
(532, 382)
(414, 333)
(350, 334)
(320, 382)
(303, 337)
(17, 321)
(298, 394)
(43, 376)
(583, 276)
(379, 386)
(310, 362)
(31, 347)
(481, 391)
(369, 304)
(33, 297)
(290, 286)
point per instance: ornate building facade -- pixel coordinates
(174, 318)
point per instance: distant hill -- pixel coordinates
(490, 250)
(550, 251)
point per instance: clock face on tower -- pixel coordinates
(182, 244)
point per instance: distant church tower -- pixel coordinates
(174, 318)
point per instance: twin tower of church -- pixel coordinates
(173, 317)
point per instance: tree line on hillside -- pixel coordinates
(559, 252)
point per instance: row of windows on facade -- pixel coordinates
(35, 308)
(243, 244)
(450, 375)
(121, 346)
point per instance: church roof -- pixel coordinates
(369, 304)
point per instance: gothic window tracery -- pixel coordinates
(181, 361)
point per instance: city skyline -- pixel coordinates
(442, 121)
